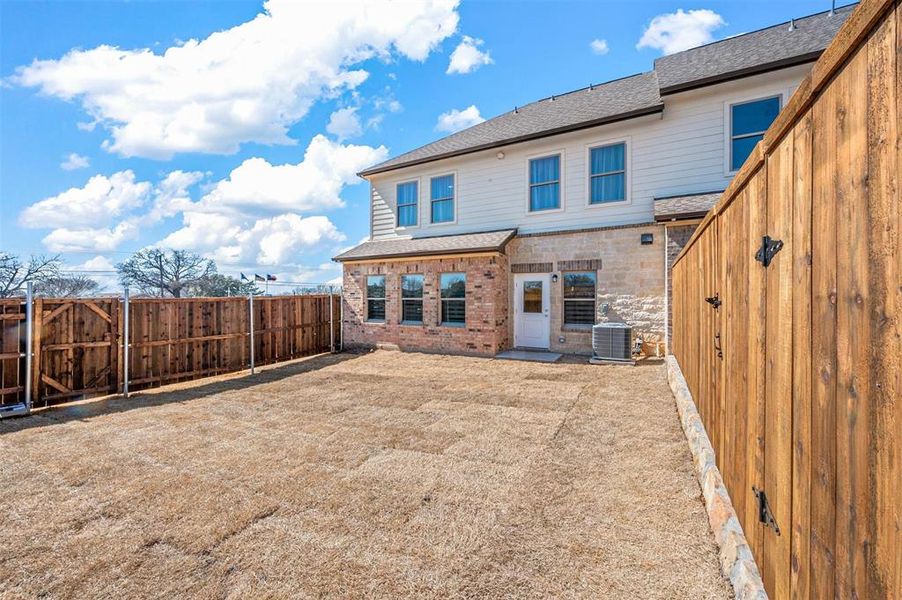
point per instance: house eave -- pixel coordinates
(656, 109)
(742, 73)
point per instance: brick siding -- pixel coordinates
(486, 329)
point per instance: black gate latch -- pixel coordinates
(714, 300)
(769, 248)
(764, 513)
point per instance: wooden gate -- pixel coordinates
(804, 407)
(76, 349)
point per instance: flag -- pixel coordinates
(244, 277)
(270, 277)
(258, 277)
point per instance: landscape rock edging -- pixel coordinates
(736, 560)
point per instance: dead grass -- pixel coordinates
(380, 475)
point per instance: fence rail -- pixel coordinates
(78, 345)
(793, 350)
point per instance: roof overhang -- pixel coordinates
(481, 243)
(740, 73)
(650, 110)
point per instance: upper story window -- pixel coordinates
(375, 298)
(545, 183)
(748, 122)
(454, 303)
(442, 198)
(411, 298)
(607, 173)
(407, 195)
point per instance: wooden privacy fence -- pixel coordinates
(787, 326)
(78, 347)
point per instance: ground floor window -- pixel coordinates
(579, 298)
(453, 294)
(411, 299)
(375, 298)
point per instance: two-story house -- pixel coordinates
(528, 228)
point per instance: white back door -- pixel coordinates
(532, 303)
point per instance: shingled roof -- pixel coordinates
(488, 241)
(613, 101)
(775, 47)
(772, 48)
(688, 206)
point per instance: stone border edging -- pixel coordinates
(736, 560)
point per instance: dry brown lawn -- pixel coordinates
(378, 475)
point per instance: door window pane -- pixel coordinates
(532, 296)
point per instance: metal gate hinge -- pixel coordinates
(764, 513)
(714, 300)
(767, 251)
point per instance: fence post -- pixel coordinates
(341, 319)
(250, 310)
(125, 341)
(29, 333)
(331, 322)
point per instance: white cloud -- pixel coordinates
(344, 123)
(313, 184)
(101, 270)
(252, 216)
(103, 239)
(673, 32)
(268, 241)
(455, 120)
(599, 47)
(249, 83)
(467, 57)
(75, 161)
(99, 202)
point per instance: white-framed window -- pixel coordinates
(545, 183)
(748, 121)
(441, 199)
(579, 298)
(607, 173)
(412, 299)
(453, 288)
(407, 195)
(375, 298)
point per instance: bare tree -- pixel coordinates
(67, 286)
(156, 272)
(306, 290)
(217, 285)
(14, 273)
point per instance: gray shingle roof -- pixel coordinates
(684, 207)
(746, 54)
(613, 101)
(767, 49)
(489, 241)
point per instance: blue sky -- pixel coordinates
(242, 144)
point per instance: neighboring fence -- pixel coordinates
(794, 358)
(78, 343)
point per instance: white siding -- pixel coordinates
(680, 152)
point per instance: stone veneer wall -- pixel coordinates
(630, 281)
(677, 238)
(486, 331)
